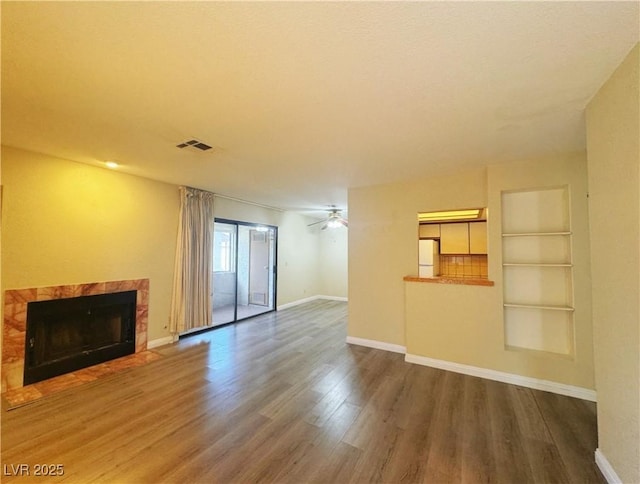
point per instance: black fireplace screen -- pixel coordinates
(64, 335)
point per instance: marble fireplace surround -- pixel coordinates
(15, 319)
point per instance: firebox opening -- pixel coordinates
(65, 335)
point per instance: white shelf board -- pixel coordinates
(534, 234)
(538, 306)
(534, 264)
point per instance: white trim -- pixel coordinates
(309, 299)
(333, 298)
(523, 381)
(297, 303)
(607, 470)
(379, 345)
(187, 332)
(167, 340)
(247, 202)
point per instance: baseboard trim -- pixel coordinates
(379, 345)
(334, 298)
(167, 340)
(523, 381)
(310, 299)
(297, 302)
(607, 470)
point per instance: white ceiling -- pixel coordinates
(303, 100)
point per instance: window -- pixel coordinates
(223, 249)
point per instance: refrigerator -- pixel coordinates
(428, 258)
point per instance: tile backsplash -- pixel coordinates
(464, 266)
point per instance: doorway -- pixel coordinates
(244, 270)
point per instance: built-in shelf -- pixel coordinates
(534, 234)
(538, 271)
(538, 306)
(534, 264)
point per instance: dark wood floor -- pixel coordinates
(282, 398)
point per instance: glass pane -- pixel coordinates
(224, 273)
(256, 260)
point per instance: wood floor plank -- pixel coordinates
(326, 442)
(507, 438)
(338, 465)
(572, 437)
(444, 461)
(274, 460)
(282, 398)
(417, 417)
(478, 461)
(545, 461)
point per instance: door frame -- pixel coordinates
(274, 269)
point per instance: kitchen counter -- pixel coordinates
(451, 280)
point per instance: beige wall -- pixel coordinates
(69, 223)
(311, 261)
(299, 247)
(461, 324)
(569, 170)
(613, 130)
(298, 250)
(383, 246)
(333, 262)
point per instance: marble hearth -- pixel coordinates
(15, 319)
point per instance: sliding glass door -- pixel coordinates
(224, 272)
(244, 270)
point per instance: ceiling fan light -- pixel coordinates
(334, 220)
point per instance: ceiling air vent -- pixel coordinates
(194, 145)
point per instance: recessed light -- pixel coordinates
(111, 164)
(449, 215)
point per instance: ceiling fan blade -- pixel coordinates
(344, 222)
(316, 223)
(324, 227)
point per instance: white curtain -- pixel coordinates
(191, 303)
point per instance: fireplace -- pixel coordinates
(64, 335)
(14, 325)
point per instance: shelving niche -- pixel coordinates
(537, 271)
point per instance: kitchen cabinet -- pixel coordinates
(478, 238)
(429, 231)
(454, 238)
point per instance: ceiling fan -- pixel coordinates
(333, 220)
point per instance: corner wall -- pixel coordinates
(613, 147)
(311, 261)
(70, 223)
(453, 323)
(298, 247)
(383, 246)
(333, 262)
